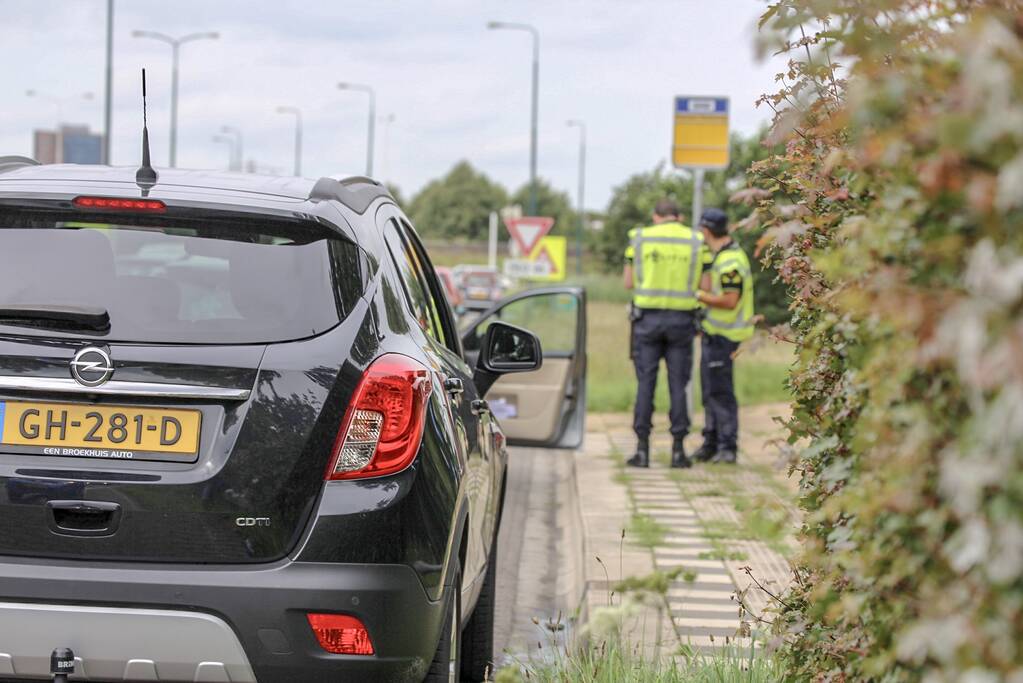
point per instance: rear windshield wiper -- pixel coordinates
(75, 317)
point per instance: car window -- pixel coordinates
(551, 317)
(415, 287)
(179, 282)
(438, 298)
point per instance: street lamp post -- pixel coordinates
(387, 121)
(109, 83)
(495, 25)
(298, 135)
(580, 228)
(58, 104)
(231, 143)
(372, 120)
(239, 147)
(175, 44)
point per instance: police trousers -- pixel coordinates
(721, 410)
(669, 335)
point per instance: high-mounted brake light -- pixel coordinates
(383, 426)
(115, 204)
(341, 634)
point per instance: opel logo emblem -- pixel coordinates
(91, 367)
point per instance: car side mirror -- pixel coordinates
(506, 349)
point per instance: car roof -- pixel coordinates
(294, 188)
(24, 179)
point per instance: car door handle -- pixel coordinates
(453, 386)
(479, 406)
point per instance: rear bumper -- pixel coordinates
(198, 624)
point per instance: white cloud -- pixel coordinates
(458, 91)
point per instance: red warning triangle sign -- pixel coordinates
(544, 256)
(528, 231)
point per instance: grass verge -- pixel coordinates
(761, 367)
(613, 663)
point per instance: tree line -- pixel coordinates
(457, 207)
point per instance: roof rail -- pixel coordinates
(355, 192)
(11, 163)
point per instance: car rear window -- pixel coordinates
(177, 282)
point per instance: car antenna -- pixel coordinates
(146, 176)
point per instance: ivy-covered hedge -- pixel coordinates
(895, 218)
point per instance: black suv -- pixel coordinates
(241, 438)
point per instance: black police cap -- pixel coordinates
(716, 221)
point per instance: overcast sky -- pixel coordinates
(456, 90)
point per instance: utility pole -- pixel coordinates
(109, 87)
(298, 135)
(694, 220)
(534, 124)
(239, 147)
(387, 121)
(492, 241)
(175, 44)
(580, 228)
(372, 120)
(231, 144)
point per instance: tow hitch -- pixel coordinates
(62, 664)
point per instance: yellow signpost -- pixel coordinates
(701, 133)
(552, 251)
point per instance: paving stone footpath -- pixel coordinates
(723, 531)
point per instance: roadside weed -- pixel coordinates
(645, 531)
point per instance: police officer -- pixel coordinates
(663, 269)
(727, 292)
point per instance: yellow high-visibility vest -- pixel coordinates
(666, 266)
(735, 324)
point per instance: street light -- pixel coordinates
(230, 142)
(575, 123)
(108, 92)
(496, 25)
(239, 147)
(58, 104)
(372, 120)
(387, 121)
(175, 44)
(298, 135)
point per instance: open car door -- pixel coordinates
(546, 407)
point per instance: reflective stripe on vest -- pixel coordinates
(735, 324)
(683, 298)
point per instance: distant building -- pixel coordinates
(67, 145)
(44, 146)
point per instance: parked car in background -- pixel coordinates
(242, 439)
(451, 290)
(481, 286)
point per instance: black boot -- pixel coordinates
(724, 458)
(705, 452)
(642, 456)
(678, 455)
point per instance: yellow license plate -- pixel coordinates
(76, 430)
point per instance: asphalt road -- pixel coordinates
(532, 555)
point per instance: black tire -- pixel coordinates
(445, 665)
(478, 636)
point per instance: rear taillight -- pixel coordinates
(341, 634)
(119, 204)
(383, 427)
